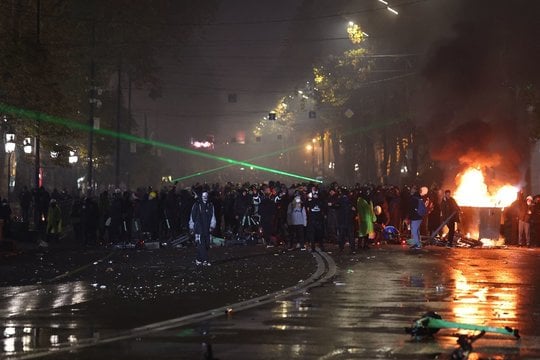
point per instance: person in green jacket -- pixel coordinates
(366, 218)
(54, 221)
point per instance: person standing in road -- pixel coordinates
(417, 210)
(366, 218)
(201, 224)
(54, 221)
(25, 199)
(346, 215)
(315, 221)
(450, 212)
(297, 222)
(267, 212)
(332, 204)
(524, 216)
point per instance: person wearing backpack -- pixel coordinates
(417, 210)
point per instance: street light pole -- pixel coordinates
(118, 116)
(8, 174)
(37, 164)
(91, 113)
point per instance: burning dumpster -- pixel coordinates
(482, 223)
(481, 209)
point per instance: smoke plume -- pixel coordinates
(476, 83)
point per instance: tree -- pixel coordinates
(48, 48)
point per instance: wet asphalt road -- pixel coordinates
(361, 312)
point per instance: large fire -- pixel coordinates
(473, 191)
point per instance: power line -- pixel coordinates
(224, 23)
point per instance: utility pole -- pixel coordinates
(118, 117)
(37, 161)
(91, 113)
(128, 178)
(37, 157)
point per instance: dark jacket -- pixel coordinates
(449, 206)
(413, 207)
(202, 219)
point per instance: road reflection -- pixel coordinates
(19, 304)
(478, 301)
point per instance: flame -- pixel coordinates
(473, 191)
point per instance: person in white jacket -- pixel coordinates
(297, 221)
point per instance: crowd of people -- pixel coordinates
(302, 216)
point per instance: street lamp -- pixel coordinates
(10, 143)
(73, 158)
(9, 147)
(27, 145)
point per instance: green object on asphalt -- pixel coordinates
(432, 322)
(443, 324)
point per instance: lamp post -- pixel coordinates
(27, 145)
(9, 147)
(73, 158)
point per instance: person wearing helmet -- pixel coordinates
(202, 222)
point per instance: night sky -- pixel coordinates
(261, 51)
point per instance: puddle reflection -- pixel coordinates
(20, 335)
(475, 302)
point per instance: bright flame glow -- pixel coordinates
(473, 191)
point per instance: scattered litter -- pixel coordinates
(337, 283)
(350, 271)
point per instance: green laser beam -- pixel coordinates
(38, 116)
(348, 133)
(204, 172)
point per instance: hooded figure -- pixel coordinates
(201, 223)
(54, 220)
(366, 218)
